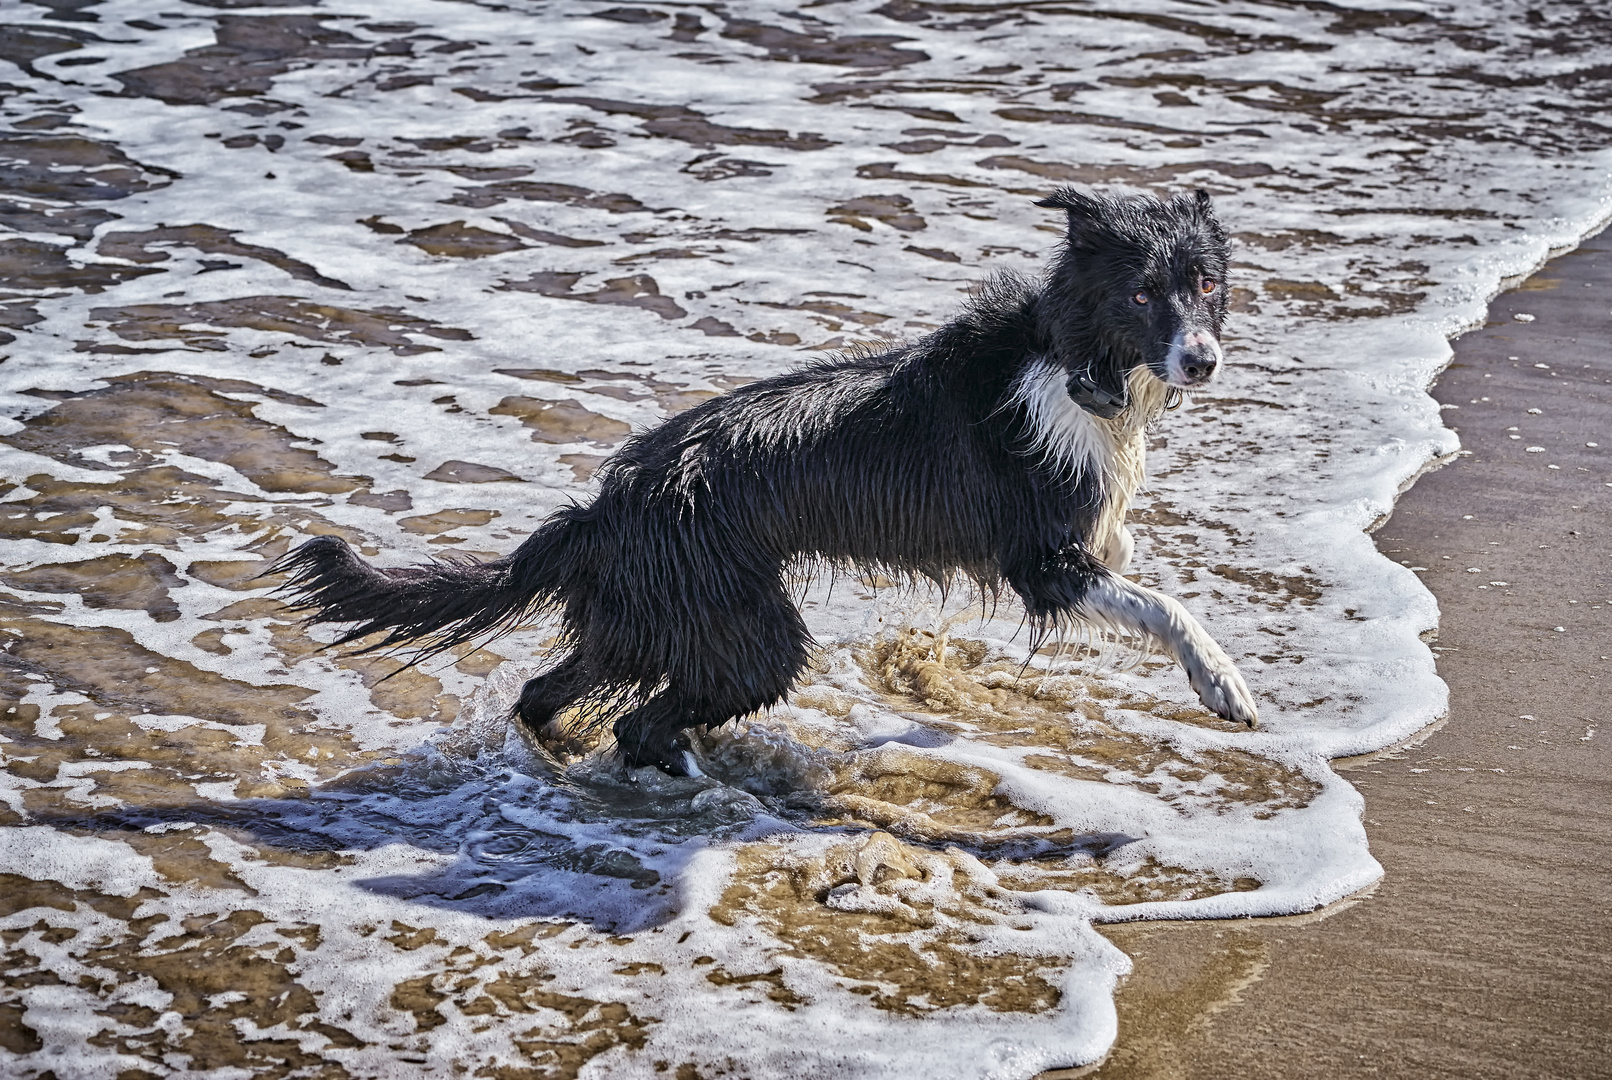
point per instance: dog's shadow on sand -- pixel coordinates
(487, 836)
(480, 818)
(500, 843)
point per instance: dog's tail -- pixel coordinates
(433, 607)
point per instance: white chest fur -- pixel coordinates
(1074, 443)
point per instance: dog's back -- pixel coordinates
(908, 460)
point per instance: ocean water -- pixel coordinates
(407, 272)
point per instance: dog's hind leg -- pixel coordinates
(752, 650)
(653, 734)
(1111, 601)
(545, 696)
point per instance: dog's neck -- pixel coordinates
(1150, 396)
(1071, 441)
(1076, 447)
(1099, 367)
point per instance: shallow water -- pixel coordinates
(407, 273)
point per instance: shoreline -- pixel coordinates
(1484, 950)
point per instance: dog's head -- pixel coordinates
(1141, 282)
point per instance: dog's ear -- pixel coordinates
(1196, 205)
(1204, 207)
(1080, 205)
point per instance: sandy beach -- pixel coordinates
(1486, 950)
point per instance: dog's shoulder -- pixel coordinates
(1000, 314)
(975, 357)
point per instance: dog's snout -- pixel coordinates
(1193, 358)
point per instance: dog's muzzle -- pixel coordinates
(1193, 359)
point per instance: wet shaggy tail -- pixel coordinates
(429, 608)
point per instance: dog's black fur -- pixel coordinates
(928, 459)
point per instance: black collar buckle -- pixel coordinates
(1094, 399)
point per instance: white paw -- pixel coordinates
(1221, 688)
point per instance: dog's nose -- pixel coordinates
(1198, 354)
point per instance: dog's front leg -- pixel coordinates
(1113, 602)
(1117, 550)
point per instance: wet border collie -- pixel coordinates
(1005, 447)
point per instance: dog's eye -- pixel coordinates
(1209, 285)
(1140, 296)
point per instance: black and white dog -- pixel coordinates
(1004, 447)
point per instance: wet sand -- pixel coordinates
(1486, 950)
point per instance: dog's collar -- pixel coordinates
(1094, 399)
